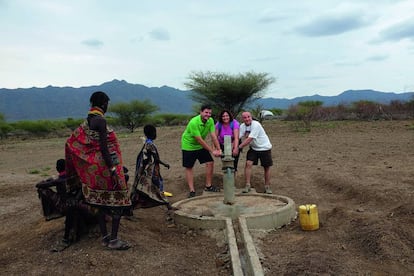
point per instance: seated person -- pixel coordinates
(52, 192)
(62, 197)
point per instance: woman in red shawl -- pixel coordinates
(93, 154)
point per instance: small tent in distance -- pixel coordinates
(266, 114)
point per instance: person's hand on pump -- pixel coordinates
(217, 152)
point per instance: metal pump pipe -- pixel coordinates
(228, 169)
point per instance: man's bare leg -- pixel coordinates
(209, 173)
(190, 178)
(267, 175)
(248, 175)
(267, 180)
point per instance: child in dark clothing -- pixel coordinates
(60, 168)
(52, 193)
(148, 187)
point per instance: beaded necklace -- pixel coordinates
(96, 111)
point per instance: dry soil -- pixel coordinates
(359, 174)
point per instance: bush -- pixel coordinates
(169, 119)
(5, 129)
(35, 127)
(72, 123)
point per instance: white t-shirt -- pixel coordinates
(260, 140)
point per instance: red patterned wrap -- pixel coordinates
(84, 159)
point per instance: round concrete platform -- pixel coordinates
(261, 211)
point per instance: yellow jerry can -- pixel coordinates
(308, 217)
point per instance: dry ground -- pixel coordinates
(359, 174)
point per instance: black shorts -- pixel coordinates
(190, 156)
(265, 157)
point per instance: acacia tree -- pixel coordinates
(132, 114)
(224, 91)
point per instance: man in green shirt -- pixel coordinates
(194, 147)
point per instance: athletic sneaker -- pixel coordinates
(191, 194)
(268, 190)
(246, 189)
(211, 189)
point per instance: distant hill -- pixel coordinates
(68, 102)
(346, 97)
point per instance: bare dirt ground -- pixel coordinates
(359, 174)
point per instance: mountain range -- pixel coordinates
(67, 102)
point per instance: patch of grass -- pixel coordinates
(328, 125)
(34, 171)
(43, 172)
(410, 127)
(123, 134)
(298, 126)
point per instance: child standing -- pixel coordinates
(147, 190)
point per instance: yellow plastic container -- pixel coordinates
(308, 217)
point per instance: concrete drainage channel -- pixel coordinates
(251, 211)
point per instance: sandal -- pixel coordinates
(211, 189)
(118, 244)
(105, 240)
(61, 245)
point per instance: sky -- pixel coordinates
(309, 47)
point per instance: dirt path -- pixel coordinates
(358, 173)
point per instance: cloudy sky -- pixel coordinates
(310, 47)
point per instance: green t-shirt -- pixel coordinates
(195, 128)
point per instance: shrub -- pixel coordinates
(169, 119)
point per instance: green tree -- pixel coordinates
(224, 91)
(134, 113)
